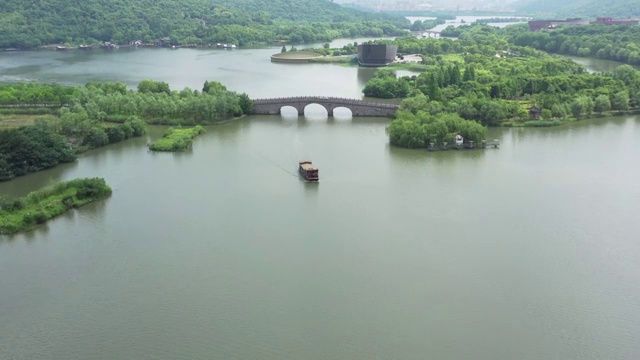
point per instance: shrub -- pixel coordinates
(177, 139)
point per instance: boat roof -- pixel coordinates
(307, 165)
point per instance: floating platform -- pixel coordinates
(484, 144)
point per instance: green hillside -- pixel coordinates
(580, 8)
(32, 23)
(306, 10)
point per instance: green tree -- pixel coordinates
(620, 101)
(602, 104)
(583, 105)
(246, 104)
(150, 86)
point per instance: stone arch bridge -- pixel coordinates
(357, 107)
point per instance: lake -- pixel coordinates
(464, 20)
(529, 251)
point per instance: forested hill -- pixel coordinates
(32, 23)
(580, 8)
(306, 10)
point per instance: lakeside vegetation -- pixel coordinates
(99, 114)
(39, 206)
(422, 25)
(345, 60)
(486, 80)
(32, 148)
(610, 42)
(177, 139)
(27, 24)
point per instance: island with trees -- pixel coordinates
(39, 206)
(484, 79)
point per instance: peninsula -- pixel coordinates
(41, 205)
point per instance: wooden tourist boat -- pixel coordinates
(308, 171)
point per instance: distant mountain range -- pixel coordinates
(538, 8)
(580, 8)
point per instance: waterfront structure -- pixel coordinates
(294, 56)
(612, 21)
(357, 107)
(376, 54)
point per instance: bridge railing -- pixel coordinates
(323, 99)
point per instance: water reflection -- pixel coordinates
(594, 65)
(311, 189)
(22, 185)
(30, 236)
(342, 113)
(563, 132)
(94, 211)
(448, 157)
(365, 74)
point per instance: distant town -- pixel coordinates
(421, 5)
(537, 25)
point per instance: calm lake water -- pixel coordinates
(594, 65)
(529, 251)
(462, 20)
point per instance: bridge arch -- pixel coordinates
(342, 112)
(314, 109)
(357, 107)
(288, 111)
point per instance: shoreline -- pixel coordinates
(36, 208)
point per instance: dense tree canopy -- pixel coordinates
(612, 42)
(419, 130)
(482, 77)
(32, 23)
(307, 10)
(30, 149)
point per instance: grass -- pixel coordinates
(12, 121)
(453, 58)
(39, 206)
(347, 59)
(176, 139)
(11, 118)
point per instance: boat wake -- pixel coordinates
(277, 165)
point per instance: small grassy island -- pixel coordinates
(41, 205)
(177, 139)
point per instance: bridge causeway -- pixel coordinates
(358, 107)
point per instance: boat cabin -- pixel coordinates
(308, 171)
